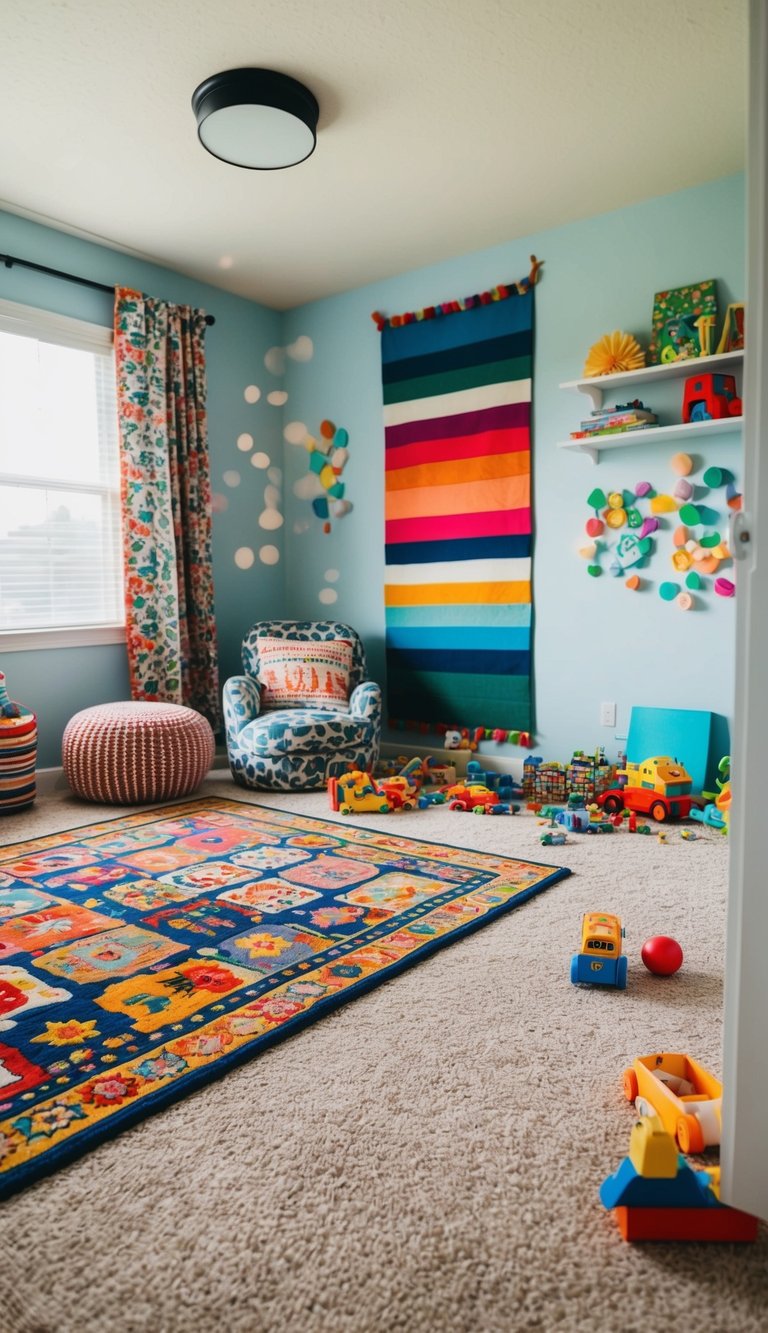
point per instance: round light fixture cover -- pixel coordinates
(256, 118)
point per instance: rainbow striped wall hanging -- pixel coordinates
(457, 416)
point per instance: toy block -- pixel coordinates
(686, 1224)
(656, 1195)
(652, 1151)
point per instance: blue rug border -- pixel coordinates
(67, 1152)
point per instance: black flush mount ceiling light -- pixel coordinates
(256, 118)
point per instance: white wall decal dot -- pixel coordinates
(302, 349)
(300, 525)
(219, 503)
(277, 397)
(295, 432)
(271, 497)
(269, 555)
(331, 575)
(245, 442)
(328, 596)
(308, 486)
(231, 478)
(260, 460)
(271, 520)
(252, 394)
(244, 557)
(275, 475)
(275, 360)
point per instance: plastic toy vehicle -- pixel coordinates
(684, 1095)
(553, 838)
(478, 798)
(400, 793)
(601, 962)
(707, 396)
(659, 787)
(357, 791)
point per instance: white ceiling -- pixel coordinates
(445, 126)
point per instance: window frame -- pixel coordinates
(65, 331)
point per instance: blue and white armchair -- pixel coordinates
(299, 749)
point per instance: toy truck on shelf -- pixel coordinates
(708, 396)
(600, 962)
(659, 787)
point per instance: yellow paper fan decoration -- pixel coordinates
(613, 353)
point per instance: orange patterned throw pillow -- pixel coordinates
(294, 674)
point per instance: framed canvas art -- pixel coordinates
(683, 324)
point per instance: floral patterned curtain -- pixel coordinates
(166, 502)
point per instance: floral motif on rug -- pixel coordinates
(144, 956)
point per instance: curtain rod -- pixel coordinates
(10, 260)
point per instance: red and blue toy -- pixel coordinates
(708, 396)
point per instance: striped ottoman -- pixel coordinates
(129, 753)
(18, 753)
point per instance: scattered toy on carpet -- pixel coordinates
(662, 955)
(656, 1195)
(600, 961)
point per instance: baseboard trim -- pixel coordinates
(459, 758)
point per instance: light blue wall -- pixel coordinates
(594, 640)
(56, 684)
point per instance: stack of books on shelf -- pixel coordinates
(615, 420)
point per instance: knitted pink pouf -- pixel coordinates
(129, 753)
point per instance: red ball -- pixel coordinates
(662, 955)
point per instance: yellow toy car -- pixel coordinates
(600, 961)
(685, 1096)
(356, 791)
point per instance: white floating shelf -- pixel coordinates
(598, 385)
(653, 434)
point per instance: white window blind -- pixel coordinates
(60, 550)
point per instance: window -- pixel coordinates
(60, 551)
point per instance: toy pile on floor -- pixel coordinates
(406, 788)
(587, 795)
(659, 786)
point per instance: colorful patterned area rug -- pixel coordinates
(144, 956)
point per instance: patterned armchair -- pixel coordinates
(299, 748)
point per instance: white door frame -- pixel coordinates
(744, 1150)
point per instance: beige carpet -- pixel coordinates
(427, 1158)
